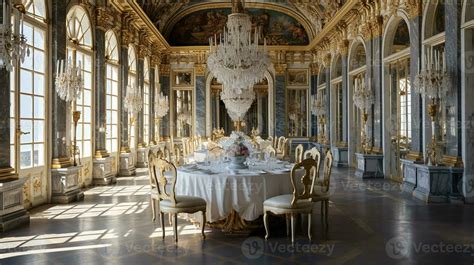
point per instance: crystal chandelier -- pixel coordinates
(433, 82)
(237, 104)
(69, 81)
(161, 105)
(13, 47)
(133, 102)
(236, 59)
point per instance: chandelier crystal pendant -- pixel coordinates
(235, 58)
(161, 105)
(13, 44)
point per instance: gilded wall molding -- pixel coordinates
(200, 69)
(104, 18)
(280, 68)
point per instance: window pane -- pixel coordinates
(26, 156)
(38, 155)
(39, 108)
(26, 84)
(39, 84)
(26, 106)
(39, 131)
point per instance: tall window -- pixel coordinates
(111, 91)
(146, 101)
(79, 51)
(28, 91)
(132, 81)
(400, 71)
(339, 105)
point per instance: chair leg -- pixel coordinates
(287, 224)
(176, 227)
(153, 209)
(326, 203)
(170, 219)
(309, 226)
(265, 223)
(292, 228)
(162, 217)
(203, 224)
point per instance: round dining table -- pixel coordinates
(233, 193)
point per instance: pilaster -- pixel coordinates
(200, 95)
(280, 100)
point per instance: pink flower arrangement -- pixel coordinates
(238, 149)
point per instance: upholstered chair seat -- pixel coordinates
(284, 202)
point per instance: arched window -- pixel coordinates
(112, 91)
(132, 81)
(28, 90)
(79, 51)
(146, 101)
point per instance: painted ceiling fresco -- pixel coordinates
(196, 28)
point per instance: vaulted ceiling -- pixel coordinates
(283, 22)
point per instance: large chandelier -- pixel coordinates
(236, 59)
(13, 47)
(237, 104)
(69, 81)
(133, 102)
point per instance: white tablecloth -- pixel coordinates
(244, 192)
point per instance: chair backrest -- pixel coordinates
(270, 150)
(309, 165)
(327, 170)
(279, 147)
(166, 153)
(299, 153)
(285, 150)
(314, 154)
(158, 167)
(177, 155)
(270, 139)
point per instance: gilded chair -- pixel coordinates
(293, 204)
(280, 143)
(185, 141)
(320, 188)
(163, 177)
(316, 155)
(270, 151)
(284, 153)
(299, 153)
(167, 154)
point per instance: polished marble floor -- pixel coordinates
(370, 222)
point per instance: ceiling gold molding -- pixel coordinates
(270, 6)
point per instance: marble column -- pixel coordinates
(5, 120)
(153, 89)
(165, 84)
(329, 119)
(345, 86)
(125, 145)
(370, 76)
(59, 108)
(200, 104)
(453, 61)
(140, 86)
(280, 104)
(100, 99)
(416, 103)
(377, 81)
(102, 164)
(64, 177)
(314, 90)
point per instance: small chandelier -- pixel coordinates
(236, 59)
(69, 81)
(363, 96)
(133, 101)
(433, 80)
(13, 44)
(161, 105)
(318, 105)
(237, 104)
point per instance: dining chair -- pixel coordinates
(296, 203)
(184, 141)
(270, 151)
(280, 142)
(320, 188)
(299, 153)
(316, 155)
(283, 154)
(163, 177)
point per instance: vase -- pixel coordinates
(237, 162)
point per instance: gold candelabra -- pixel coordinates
(363, 134)
(132, 123)
(432, 147)
(76, 116)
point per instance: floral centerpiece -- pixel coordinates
(237, 147)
